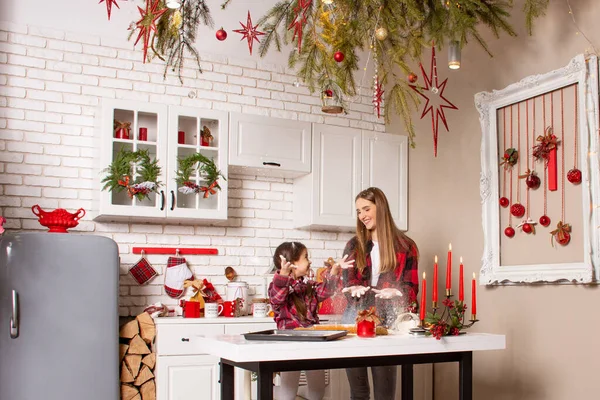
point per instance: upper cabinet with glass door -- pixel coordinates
(164, 135)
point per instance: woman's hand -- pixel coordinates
(286, 267)
(388, 293)
(356, 291)
(341, 264)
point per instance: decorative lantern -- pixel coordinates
(331, 100)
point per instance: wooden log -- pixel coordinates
(144, 375)
(122, 351)
(148, 390)
(149, 360)
(129, 330)
(129, 392)
(138, 346)
(147, 328)
(126, 375)
(137, 397)
(133, 362)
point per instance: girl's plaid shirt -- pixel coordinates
(280, 294)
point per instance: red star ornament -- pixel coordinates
(432, 84)
(109, 4)
(301, 10)
(147, 24)
(249, 32)
(378, 96)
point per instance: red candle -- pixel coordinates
(435, 280)
(473, 298)
(461, 283)
(449, 270)
(423, 299)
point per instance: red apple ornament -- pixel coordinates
(221, 34)
(574, 176)
(532, 181)
(509, 231)
(338, 56)
(544, 220)
(517, 209)
(504, 202)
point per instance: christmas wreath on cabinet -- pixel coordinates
(134, 171)
(208, 172)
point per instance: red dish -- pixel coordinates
(59, 220)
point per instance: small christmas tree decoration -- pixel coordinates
(412, 78)
(221, 34)
(109, 4)
(517, 209)
(544, 220)
(509, 231)
(504, 202)
(574, 176)
(338, 56)
(381, 33)
(249, 32)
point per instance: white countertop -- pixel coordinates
(236, 348)
(219, 320)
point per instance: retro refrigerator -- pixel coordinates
(58, 317)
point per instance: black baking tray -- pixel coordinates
(298, 336)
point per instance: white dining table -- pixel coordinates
(270, 356)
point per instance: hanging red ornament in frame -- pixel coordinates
(574, 174)
(249, 32)
(434, 88)
(109, 4)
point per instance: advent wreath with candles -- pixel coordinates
(208, 172)
(133, 171)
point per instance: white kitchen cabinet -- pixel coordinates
(182, 372)
(346, 161)
(260, 145)
(165, 144)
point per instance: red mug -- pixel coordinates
(143, 136)
(191, 309)
(181, 137)
(228, 309)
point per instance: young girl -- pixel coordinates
(295, 303)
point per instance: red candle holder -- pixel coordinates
(450, 322)
(181, 137)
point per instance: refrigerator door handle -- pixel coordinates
(14, 319)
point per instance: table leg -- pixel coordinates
(227, 381)
(407, 381)
(265, 383)
(465, 366)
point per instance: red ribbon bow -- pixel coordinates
(547, 142)
(209, 190)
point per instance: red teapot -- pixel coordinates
(59, 220)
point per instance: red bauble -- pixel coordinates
(504, 202)
(328, 93)
(517, 210)
(544, 220)
(527, 228)
(509, 232)
(412, 78)
(574, 176)
(565, 240)
(338, 56)
(221, 34)
(533, 181)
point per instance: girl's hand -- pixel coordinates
(356, 291)
(388, 293)
(342, 264)
(286, 267)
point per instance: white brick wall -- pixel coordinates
(51, 83)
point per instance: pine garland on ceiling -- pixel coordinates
(348, 26)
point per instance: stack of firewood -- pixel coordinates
(137, 358)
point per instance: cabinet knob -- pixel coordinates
(184, 339)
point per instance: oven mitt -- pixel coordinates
(142, 271)
(177, 272)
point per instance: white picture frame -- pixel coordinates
(583, 71)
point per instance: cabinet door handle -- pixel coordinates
(272, 164)
(14, 318)
(184, 339)
(172, 200)
(162, 200)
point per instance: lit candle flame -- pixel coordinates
(435, 259)
(473, 275)
(423, 275)
(450, 247)
(461, 260)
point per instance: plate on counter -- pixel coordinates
(293, 335)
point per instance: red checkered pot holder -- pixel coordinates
(142, 271)
(177, 272)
